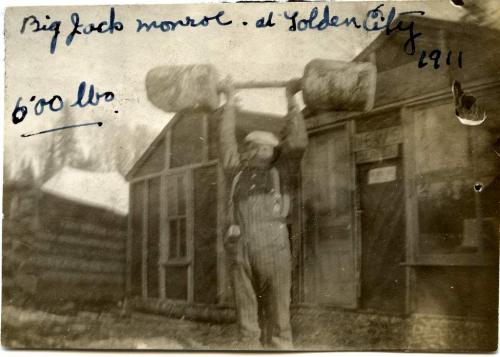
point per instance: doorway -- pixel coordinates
(329, 261)
(381, 189)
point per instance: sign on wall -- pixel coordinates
(382, 174)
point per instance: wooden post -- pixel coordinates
(145, 241)
(204, 130)
(222, 293)
(356, 214)
(168, 148)
(411, 205)
(189, 232)
(128, 269)
(163, 236)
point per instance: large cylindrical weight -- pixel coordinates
(174, 88)
(330, 85)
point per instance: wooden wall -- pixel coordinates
(66, 252)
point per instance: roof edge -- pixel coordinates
(175, 118)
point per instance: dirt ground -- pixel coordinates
(69, 327)
(28, 328)
(65, 327)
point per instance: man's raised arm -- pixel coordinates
(295, 139)
(229, 154)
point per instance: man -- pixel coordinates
(257, 241)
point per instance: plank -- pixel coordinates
(83, 241)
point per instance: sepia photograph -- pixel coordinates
(252, 176)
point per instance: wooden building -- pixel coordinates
(65, 240)
(386, 217)
(177, 197)
(398, 209)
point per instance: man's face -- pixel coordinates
(259, 154)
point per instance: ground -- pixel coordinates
(25, 328)
(71, 327)
(66, 327)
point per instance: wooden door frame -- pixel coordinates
(164, 242)
(187, 171)
(349, 127)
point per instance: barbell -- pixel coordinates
(327, 85)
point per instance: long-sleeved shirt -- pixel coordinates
(258, 180)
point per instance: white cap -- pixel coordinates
(262, 138)
(472, 122)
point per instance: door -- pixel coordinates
(205, 234)
(329, 250)
(382, 202)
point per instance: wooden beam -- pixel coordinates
(377, 138)
(189, 188)
(87, 242)
(222, 291)
(377, 154)
(204, 130)
(145, 241)
(74, 251)
(355, 209)
(300, 233)
(411, 209)
(76, 277)
(71, 264)
(165, 236)
(163, 246)
(174, 170)
(168, 148)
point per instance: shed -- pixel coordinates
(177, 200)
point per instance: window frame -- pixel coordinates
(187, 216)
(414, 255)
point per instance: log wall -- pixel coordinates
(77, 260)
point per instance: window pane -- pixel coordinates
(181, 195)
(447, 167)
(171, 196)
(172, 239)
(435, 151)
(182, 237)
(445, 212)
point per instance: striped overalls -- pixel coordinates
(260, 256)
(261, 260)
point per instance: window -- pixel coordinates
(177, 216)
(450, 159)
